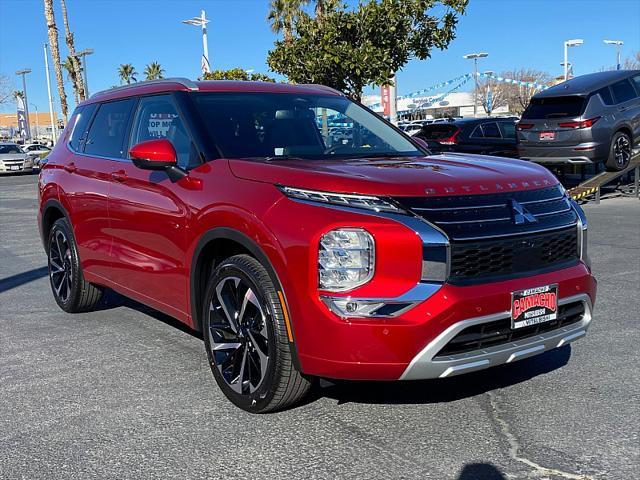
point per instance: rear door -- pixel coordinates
(626, 95)
(149, 214)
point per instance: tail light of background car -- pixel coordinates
(524, 126)
(579, 124)
(452, 140)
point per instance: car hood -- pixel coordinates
(13, 156)
(446, 174)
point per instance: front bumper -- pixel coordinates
(427, 365)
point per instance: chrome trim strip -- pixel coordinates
(423, 365)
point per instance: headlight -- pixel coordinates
(367, 202)
(346, 259)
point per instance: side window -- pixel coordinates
(605, 95)
(636, 82)
(158, 117)
(78, 134)
(108, 129)
(491, 130)
(477, 132)
(623, 91)
(508, 130)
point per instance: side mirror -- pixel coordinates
(154, 155)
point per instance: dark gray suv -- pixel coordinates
(588, 119)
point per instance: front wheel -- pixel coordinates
(246, 338)
(619, 152)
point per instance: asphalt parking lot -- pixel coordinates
(126, 392)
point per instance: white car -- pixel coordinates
(13, 159)
(35, 149)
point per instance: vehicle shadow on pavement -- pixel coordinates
(112, 299)
(480, 471)
(446, 389)
(15, 281)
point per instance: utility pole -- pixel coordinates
(393, 100)
(569, 43)
(37, 121)
(23, 74)
(618, 44)
(83, 57)
(54, 124)
(475, 57)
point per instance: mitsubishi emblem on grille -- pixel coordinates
(520, 214)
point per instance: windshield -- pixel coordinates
(9, 149)
(281, 125)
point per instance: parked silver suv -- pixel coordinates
(588, 119)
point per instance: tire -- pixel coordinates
(619, 152)
(249, 353)
(70, 290)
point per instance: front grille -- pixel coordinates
(499, 332)
(501, 258)
(488, 244)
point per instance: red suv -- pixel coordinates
(297, 254)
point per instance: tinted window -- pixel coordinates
(605, 94)
(623, 91)
(82, 119)
(158, 117)
(477, 132)
(491, 130)
(108, 129)
(555, 107)
(437, 131)
(636, 81)
(508, 129)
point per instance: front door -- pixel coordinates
(149, 213)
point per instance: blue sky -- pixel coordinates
(516, 33)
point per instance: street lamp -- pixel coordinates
(82, 55)
(54, 126)
(569, 43)
(23, 74)
(475, 57)
(202, 21)
(489, 100)
(618, 44)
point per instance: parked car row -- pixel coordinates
(589, 119)
(16, 158)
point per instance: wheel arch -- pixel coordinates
(52, 210)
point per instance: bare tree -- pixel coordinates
(632, 63)
(518, 96)
(6, 90)
(75, 62)
(490, 88)
(55, 54)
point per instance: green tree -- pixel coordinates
(127, 73)
(237, 74)
(153, 71)
(350, 48)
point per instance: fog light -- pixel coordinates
(345, 259)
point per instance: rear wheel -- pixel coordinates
(246, 338)
(71, 291)
(619, 152)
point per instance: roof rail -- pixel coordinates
(190, 84)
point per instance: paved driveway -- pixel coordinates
(127, 393)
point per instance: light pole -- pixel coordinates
(37, 122)
(475, 57)
(489, 75)
(202, 21)
(618, 44)
(82, 55)
(569, 43)
(54, 126)
(23, 74)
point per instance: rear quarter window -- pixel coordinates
(555, 107)
(437, 131)
(81, 123)
(623, 91)
(605, 95)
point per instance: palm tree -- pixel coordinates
(72, 75)
(78, 83)
(283, 15)
(153, 71)
(127, 73)
(55, 54)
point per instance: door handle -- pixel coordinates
(70, 167)
(119, 176)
